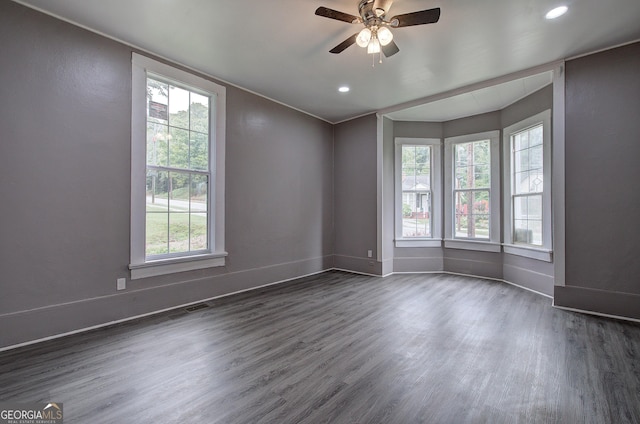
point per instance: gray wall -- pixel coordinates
(65, 119)
(355, 191)
(602, 175)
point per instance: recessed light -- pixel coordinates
(557, 12)
(343, 89)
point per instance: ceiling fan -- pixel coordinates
(376, 35)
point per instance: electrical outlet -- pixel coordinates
(369, 253)
(121, 283)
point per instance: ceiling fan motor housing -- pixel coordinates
(373, 10)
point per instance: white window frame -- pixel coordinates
(545, 252)
(140, 266)
(436, 193)
(493, 243)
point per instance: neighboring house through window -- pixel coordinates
(418, 193)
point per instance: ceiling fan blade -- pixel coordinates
(340, 16)
(390, 49)
(422, 17)
(342, 46)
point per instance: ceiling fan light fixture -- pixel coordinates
(384, 36)
(363, 37)
(374, 46)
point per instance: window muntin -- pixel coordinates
(178, 171)
(472, 189)
(416, 191)
(527, 158)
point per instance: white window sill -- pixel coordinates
(529, 252)
(173, 265)
(418, 243)
(482, 246)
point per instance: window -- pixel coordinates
(418, 196)
(472, 175)
(177, 219)
(527, 196)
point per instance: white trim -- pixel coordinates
(173, 265)
(543, 118)
(558, 176)
(529, 252)
(140, 266)
(598, 314)
(471, 87)
(494, 217)
(418, 243)
(482, 246)
(604, 49)
(380, 195)
(436, 187)
(349, 271)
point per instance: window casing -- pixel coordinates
(472, 184)
(177, 170)
(418, 193)
(527, 176)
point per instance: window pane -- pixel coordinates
(422, 156)
(527, 212)
(521, 233)
(534, 207)
(462, 177)
(157, 144)
(157, 101)
(157, 235)
(416, 211)
(472, 214)
(481, 152)
(520, 208)
(179, 192)
(481, 176)
(521, 141)
(198, 193)
(199, 152)
(536, 157)
(481, 226)
(522, 160)
(409, 179)
(198, 231)
(535, 136)
(462, 214)
(521, 183)
(199, 111)
(480, 202)
(179, 148)
(178, 107)
(179, 206)
(157, 191)
(178, 232)
(472, 165)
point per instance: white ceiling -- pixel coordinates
(280, 49)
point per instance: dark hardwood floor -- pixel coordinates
(342, 348)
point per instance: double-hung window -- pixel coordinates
(472, 180)
(177, 170)
(528, 187)
(418, 193)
